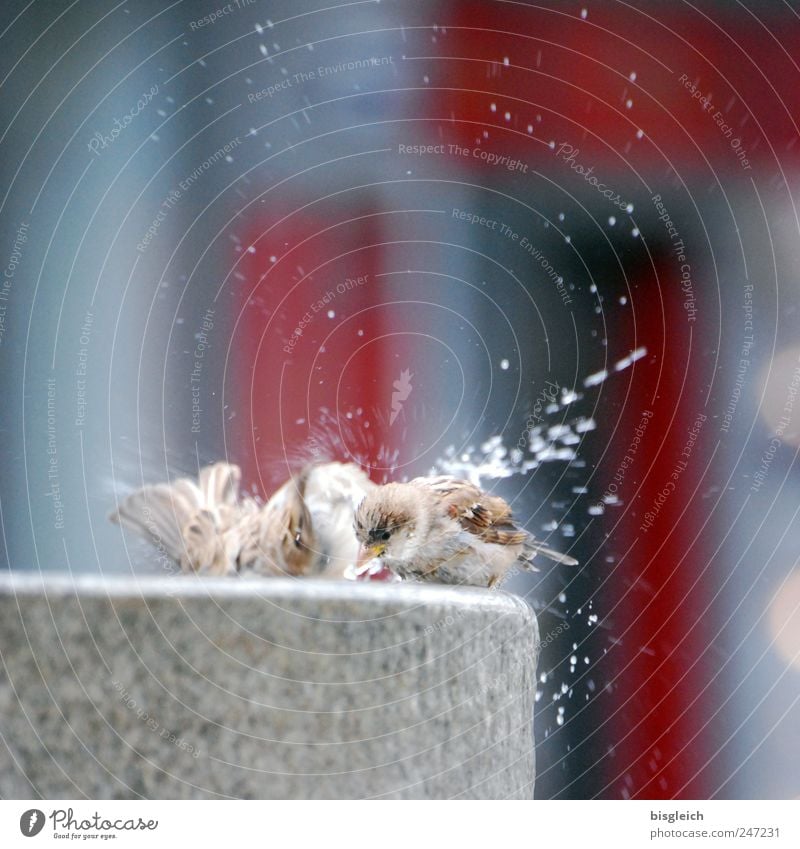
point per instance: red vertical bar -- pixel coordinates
(657, 595)
(299, 363)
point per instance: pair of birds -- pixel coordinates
(330, 518)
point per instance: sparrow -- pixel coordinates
(209, 527)
(445, 530)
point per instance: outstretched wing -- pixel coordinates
(187, 521)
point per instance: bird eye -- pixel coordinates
(385, 535)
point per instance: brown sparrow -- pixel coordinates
(209, 527)
(444, 529)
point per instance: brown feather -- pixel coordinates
(487, 516)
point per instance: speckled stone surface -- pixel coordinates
(190, 688)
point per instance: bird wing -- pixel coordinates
(219, 484)
(159, 513)
(333, 493)
(187, 520)
(486, 516)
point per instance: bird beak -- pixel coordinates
(367, 553)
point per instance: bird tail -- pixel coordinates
(533, 547)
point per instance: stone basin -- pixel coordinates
(179, 687)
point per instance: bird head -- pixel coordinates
(389, 523)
